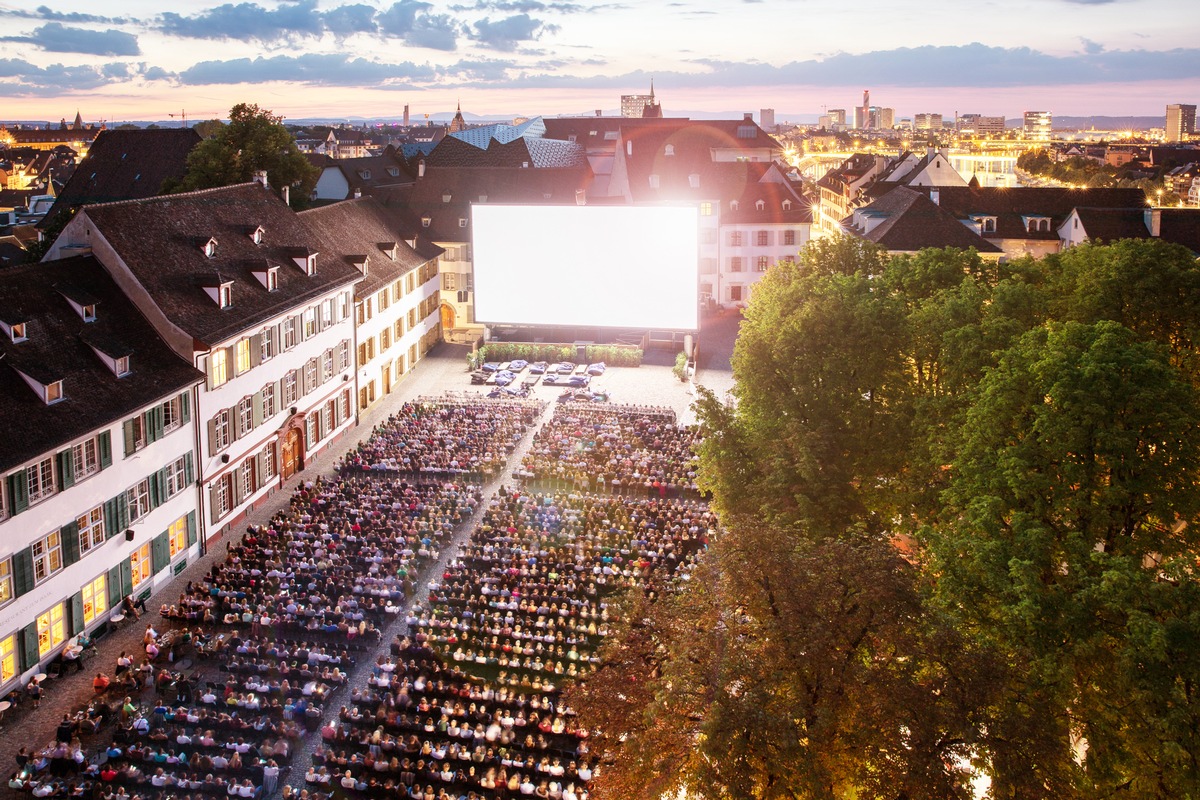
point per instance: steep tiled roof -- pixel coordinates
(910, 221)
(773, 196)
(161, 241)
(125, 165)
(59, 346)
(444, 196)
(354, 228)
(1181, 226)
(1011, 206)
(1112, 224)
(483, 135)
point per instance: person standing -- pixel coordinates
(270, 778)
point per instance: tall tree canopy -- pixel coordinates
(254, 140)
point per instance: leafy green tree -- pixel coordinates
(208, 128)
(254, 140)
(1063, 548)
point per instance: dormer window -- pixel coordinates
(121, 366)
(83, 302)
(15, 330)
(54, 392)
(1037, 224)
(365, 174)
(425, 221)
(394, 172)
(669, 150)
(445, 198)
(256, 235)
(360, 263)
(462, 222)
(390, 249)
(654, 181)
(225, 295)
(483, 198)
(787, 205)
(209, 248)
(89, 313)
(733, 205)
(760, 205)
(694, 180)
(306, 260)
(266, 274)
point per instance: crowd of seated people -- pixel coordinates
(633, 450)
(337, 564)
(447, 437)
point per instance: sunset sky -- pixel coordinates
(131, 60)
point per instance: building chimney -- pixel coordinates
(287, 195)
(748, 116)
(599, 112)
(629, 148)
(580, 197)
(1153, 219)
(421, 168)
(936, 196)
(261, 177)
(358, 194)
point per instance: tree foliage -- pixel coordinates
(959, 504)
(254, 140)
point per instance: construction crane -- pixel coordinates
(183, 115)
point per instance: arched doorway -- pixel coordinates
(293, 453)
(447, 317)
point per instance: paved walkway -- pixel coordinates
(444, 369)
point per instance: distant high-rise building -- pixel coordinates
(885, 118)
(865, 118)
(766, 119)
(980, 125)
(1037, 124)
(837, 116)
(927, 121)
(406, 115)
(635, 105)
(1181, 122)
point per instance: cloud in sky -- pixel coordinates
(505, 34)
(19, 77)
(247, 22)
(311, 69)
(47, 13)
(54, 37)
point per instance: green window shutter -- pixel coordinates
(126, 577)
(189, 476)
(185, 406)
(22, 568)
(157, 495)
(29, 646)
(114, 587)
(123, 510)
(112, 521)
(160, 552)
(191, 528)
(105, 450)
(18, 492)
(66, 469)
(129, 441)
(212, 501)
(77, 621)
(212, 436)
(255, 350)
(69, 535)
(155, 421)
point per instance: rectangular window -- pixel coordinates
(266, 344)
(735, 293)
(343, 356)
(246, 476)
(735, 264)
(245, 416)
(383, 300)
(139, 565)
(177, 536)
(218, 362)
(51, 630)
(762, 264)
(385, 339)
(270, 404)
(763, 238)
(6, 583)
(47, 556)
(268, 462)
(327, 417)
(310, 322)
(223, 495)
(172, 414)
(222, 429)
(412, 318)
(40, 477)
(448, 283)
(706, 209)
(345, 404)
(326, 365)
(789, 237)
(310, 375)
(735, 238)
(91, 529)
(95, 599)
(85, 459)
(289, 333)
(242, 351)
(398, 328)
(289, 388)
(176, 476)
(138, 499)
(311, 434)
(8, 658)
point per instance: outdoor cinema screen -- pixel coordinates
(590, 266)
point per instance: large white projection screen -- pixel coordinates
(593, 266)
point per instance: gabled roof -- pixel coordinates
(907, 221)
(1112, 224)
(1181, 226)
(125, 165)
(427, 198)
(1012, 206)
(353, 228)
(500, 132)
(773, 196)
(59, 346)
(518, 153)
(161, 241)
(367, 173)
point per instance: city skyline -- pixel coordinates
(506, 57)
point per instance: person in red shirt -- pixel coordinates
(100, 683)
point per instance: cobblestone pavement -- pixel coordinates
(443, 370)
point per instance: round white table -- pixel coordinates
(41, 676)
